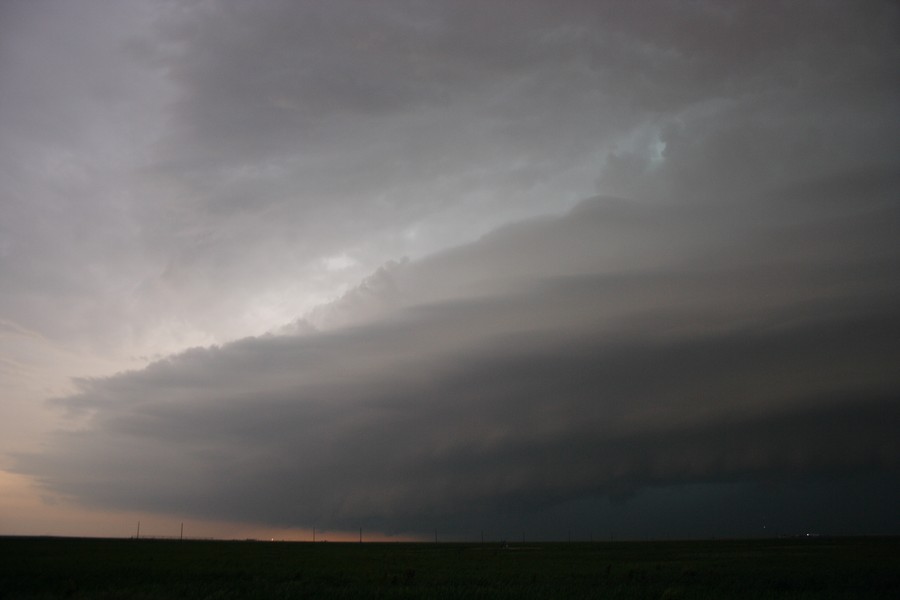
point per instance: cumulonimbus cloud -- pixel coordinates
(732, 319)
(531, 368)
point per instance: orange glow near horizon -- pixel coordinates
(30, 511)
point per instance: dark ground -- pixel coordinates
(143, 569)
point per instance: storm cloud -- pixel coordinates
(450, 265)
(721, 360)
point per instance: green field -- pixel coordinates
(107, 568)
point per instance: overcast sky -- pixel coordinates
(523, 267)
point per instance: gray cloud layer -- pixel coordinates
(724, 314)
(179, 166)
(725, 359)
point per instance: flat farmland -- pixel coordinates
(143, 569)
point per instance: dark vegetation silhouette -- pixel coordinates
(151, 568)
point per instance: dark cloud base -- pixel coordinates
(719, 388)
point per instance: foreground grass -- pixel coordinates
(144, 569)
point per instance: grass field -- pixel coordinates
(143, 569)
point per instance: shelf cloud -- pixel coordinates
(525, 368)
(454, 265)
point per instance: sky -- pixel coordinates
(548, 270)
